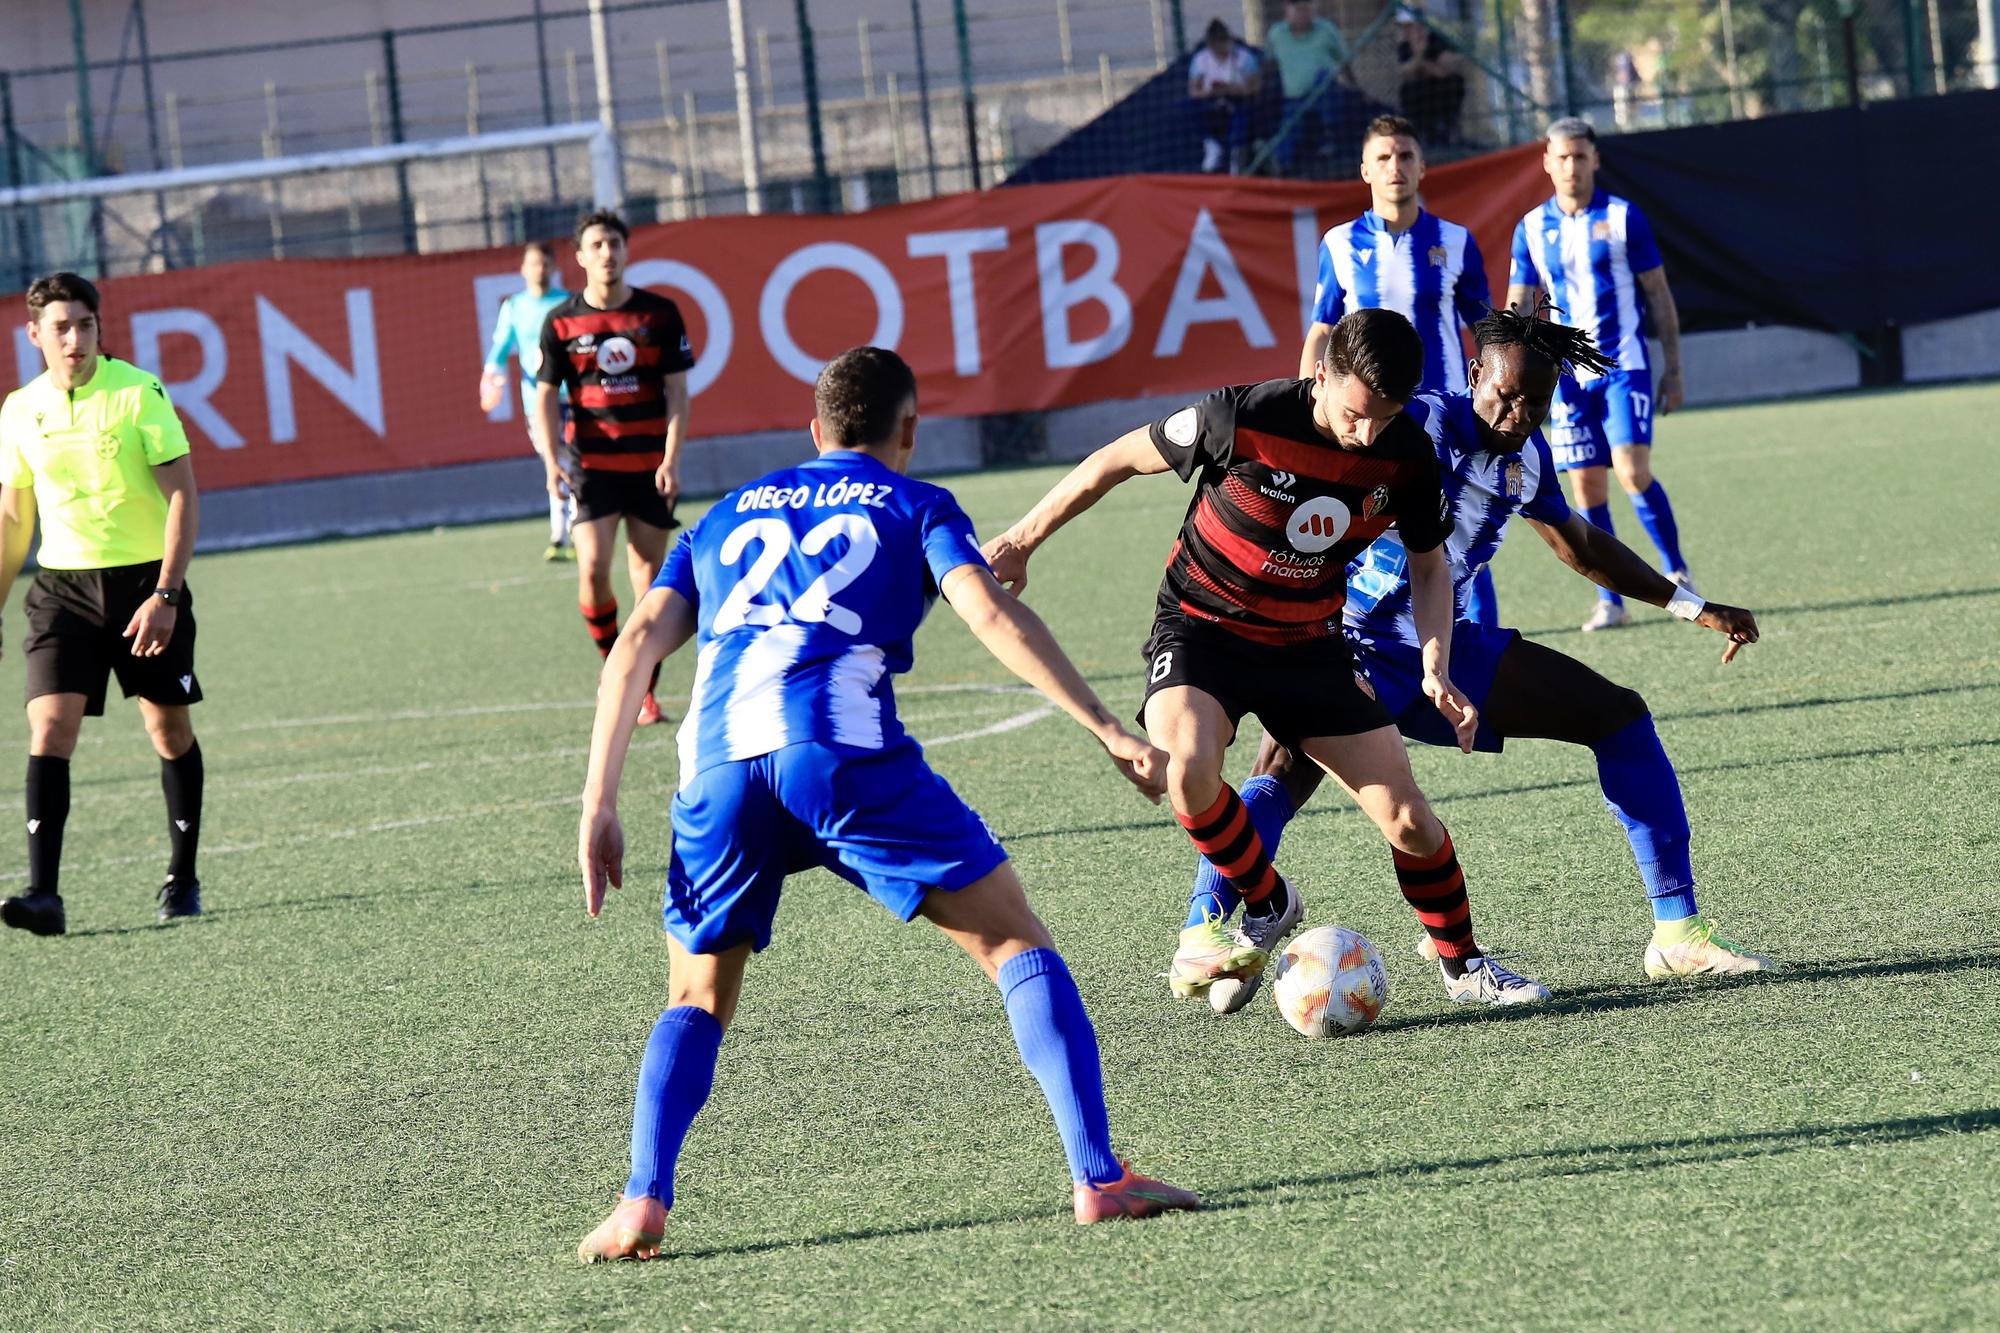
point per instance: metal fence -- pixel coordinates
(867, 102)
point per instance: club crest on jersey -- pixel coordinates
(615, 356)
(1514, 479)
(1377, 502)
(1550, 234)
(107, 446)
(1600, 230)
(1180, 428)
(1438, 259)
(1317, 524)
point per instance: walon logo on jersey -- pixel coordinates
(1317, 524)
(615, 356)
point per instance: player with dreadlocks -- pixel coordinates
(1494, 463)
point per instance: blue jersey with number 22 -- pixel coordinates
(809, 585)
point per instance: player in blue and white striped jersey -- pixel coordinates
(804, 589)
(1493, 463)
(1593, 257)
(1402, 258)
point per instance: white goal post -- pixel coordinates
(450, 190)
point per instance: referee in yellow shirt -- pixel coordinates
(94, 447)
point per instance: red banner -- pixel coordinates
(1012, 300)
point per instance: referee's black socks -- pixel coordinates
(181, 780)
(48, 811)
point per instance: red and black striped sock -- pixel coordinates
(1224, 834)
(1435, 886)
(602, 622)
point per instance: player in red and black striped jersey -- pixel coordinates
(1294, 479)
(623, 354)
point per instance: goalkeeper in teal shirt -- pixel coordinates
(518, 332)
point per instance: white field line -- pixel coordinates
(551, 706)
(1014, 723)
(337, 834)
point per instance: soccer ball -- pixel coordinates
(1330, 982)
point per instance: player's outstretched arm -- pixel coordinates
(1019, 641)
(1434, 608)
(1130, 455)
(1610, 563)
(663, 622)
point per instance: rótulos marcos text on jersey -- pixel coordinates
(1482, 491)
(1281, 509)
(809, 585)
(1588, 266)
(615, 364)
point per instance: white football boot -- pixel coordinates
(1486, 982)
(1607, 615)
(1228, 994)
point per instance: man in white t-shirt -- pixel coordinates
(1222, 84)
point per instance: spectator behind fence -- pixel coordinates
(1433, 74)
(1308, 51)
(1222, 88)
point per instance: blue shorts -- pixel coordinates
(1587, 420)
(1396, 670)
(879, 819)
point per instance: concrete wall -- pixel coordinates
(1727, 367)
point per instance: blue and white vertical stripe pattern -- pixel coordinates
(808, 585)
(1588, 265)
(1483, 489)
(1431, 275)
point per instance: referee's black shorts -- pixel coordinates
(76, 638)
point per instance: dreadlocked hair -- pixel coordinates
(1568, 349)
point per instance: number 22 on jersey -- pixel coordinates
(816, 604)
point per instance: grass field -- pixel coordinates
(386, 1082)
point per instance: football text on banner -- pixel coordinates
(1012, 300)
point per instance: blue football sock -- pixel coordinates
(1600, 516)
(1270, 807)
(1656, 516)
(674, 1080)
(1060, 1049)
(1482, 604)
(1641, 789)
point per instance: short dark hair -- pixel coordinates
(1380, 348)
(54, 287)
(547, 249)
(1217, 28)
(860, 396)
(600, 217)
(1390, 127)
(1567, 349)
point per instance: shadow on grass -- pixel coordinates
(1804, 608)
(323, 902)
(1577, 1160)
(1646, 995)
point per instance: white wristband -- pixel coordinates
(1684, 605)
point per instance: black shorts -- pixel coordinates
(614, 494)
(76, 638)
(1298, 691)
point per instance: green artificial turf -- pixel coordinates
(386, 1082)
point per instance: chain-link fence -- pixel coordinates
(879, 101)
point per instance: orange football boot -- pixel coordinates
(1131, 1195)
(633, 1231)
